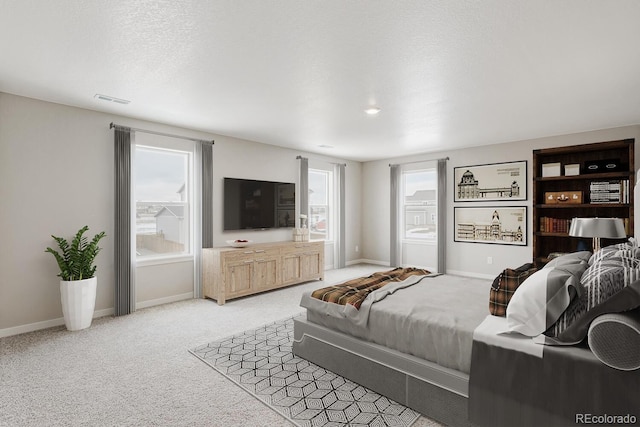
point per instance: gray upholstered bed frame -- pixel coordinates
(437, 392)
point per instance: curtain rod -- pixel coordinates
(331, 163)
(113, 125)
(419, 161)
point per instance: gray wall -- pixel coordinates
(467, 258)
(56, 175)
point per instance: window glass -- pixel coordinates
(319, 204)
(162, 194)
(420, 205)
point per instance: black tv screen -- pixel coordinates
(252, 204)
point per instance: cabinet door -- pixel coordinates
(291, 267)
(310, 265)
(238, 275)
(265, 273)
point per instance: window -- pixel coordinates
(163, 202)
(320, 196)
(419, 204)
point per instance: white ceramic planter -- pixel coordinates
(78, 302)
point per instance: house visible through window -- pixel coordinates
(163, 202)
(320, 197)
(420, 205)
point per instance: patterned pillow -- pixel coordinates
(624, 250)
(504, 285)
(610, 285)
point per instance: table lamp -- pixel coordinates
(597, 228)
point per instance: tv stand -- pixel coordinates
(229, 273)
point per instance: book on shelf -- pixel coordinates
(562, 225)
(554, 225)
(612, 191)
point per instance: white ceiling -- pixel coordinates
(296, 73)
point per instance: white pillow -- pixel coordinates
(542, 298)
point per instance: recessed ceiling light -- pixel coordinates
(111, 99)
(372, 111)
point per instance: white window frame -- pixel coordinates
(183, 148)
(331, 203)
(403, 208)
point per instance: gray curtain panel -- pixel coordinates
(207, 194)
(124, 252)
(203, 205)
(396, 249)
(304, 187)
(442, 214)
(340, 252)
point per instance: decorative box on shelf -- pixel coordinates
(603, 166)
(562, 197)
(550, 169)
(572, 170)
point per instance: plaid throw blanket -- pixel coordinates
(353, 292)
(505, 285)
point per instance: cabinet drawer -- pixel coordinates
(301, 247)
(231, 256)
(266, 253)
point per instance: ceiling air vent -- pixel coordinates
(111, 99)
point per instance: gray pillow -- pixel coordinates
(611, 285)
(581, 257)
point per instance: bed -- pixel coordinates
(409, 358)
(433, 347)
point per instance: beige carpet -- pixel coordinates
(136, 371)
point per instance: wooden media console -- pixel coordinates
(236, 272)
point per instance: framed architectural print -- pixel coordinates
(504, 225)
(492, 182)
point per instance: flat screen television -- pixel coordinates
(252, 204)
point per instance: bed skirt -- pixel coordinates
(437, 392)
(517, 382)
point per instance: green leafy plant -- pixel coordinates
(76, 259)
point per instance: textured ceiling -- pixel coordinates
(296, 73)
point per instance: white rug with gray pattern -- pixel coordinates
(261, 362)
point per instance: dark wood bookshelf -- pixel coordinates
(621, 151)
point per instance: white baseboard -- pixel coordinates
(367, 261)
(165, 300)
(31, 327)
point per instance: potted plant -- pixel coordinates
(77, 273)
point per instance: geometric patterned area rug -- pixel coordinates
(261, 362)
